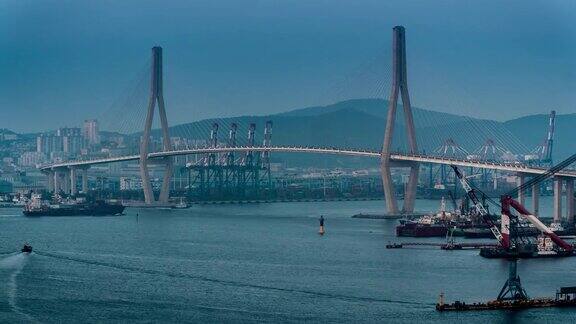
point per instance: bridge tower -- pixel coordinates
(399, 87)
(156, 96)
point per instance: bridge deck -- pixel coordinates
(511, 167)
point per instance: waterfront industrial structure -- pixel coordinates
(229, 175)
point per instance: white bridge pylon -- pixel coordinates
(156, 96)
(399, 88)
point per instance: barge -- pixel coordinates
(544, 248)
(565, 297)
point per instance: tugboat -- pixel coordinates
(27, 248)
(394, 245)
(38, 207)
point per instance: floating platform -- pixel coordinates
(496, 252)
(388, 216)
(509, 305)
(565, 297)
(443, 246)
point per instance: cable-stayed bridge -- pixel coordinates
(63, 175)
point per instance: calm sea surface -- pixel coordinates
(250, 263)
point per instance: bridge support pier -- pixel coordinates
(66, 181)
(156, 95)
(73, 178)
(535, 198)
(57, 182)
(411, 188)
(557, 212)
(50, 175)
(84, 176)
(399, 87)
(388, 186)
(521, 179)
(570, 200)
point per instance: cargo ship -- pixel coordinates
(434, 225)
(39, 207)
(425, 226)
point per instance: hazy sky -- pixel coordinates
(64, 61)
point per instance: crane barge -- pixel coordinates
(512, 295)
(544, 248)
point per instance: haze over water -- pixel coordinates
(245, 263)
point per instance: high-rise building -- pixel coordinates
(66, 140)
(48, 143)
(71, 140)
(91, 132)
(72, 144)
(68, 131)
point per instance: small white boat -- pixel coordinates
(181, 204)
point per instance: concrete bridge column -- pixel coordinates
(570, 200)
(73, 190)
(57, 183)
(411, 188)
(557, 212)
(50, 175)
(165, 189)
(388, 186)
(84, 176)
(66, 181)
(521, 179)
(535, 198)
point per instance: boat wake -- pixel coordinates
(228, 282)
(15, 264)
